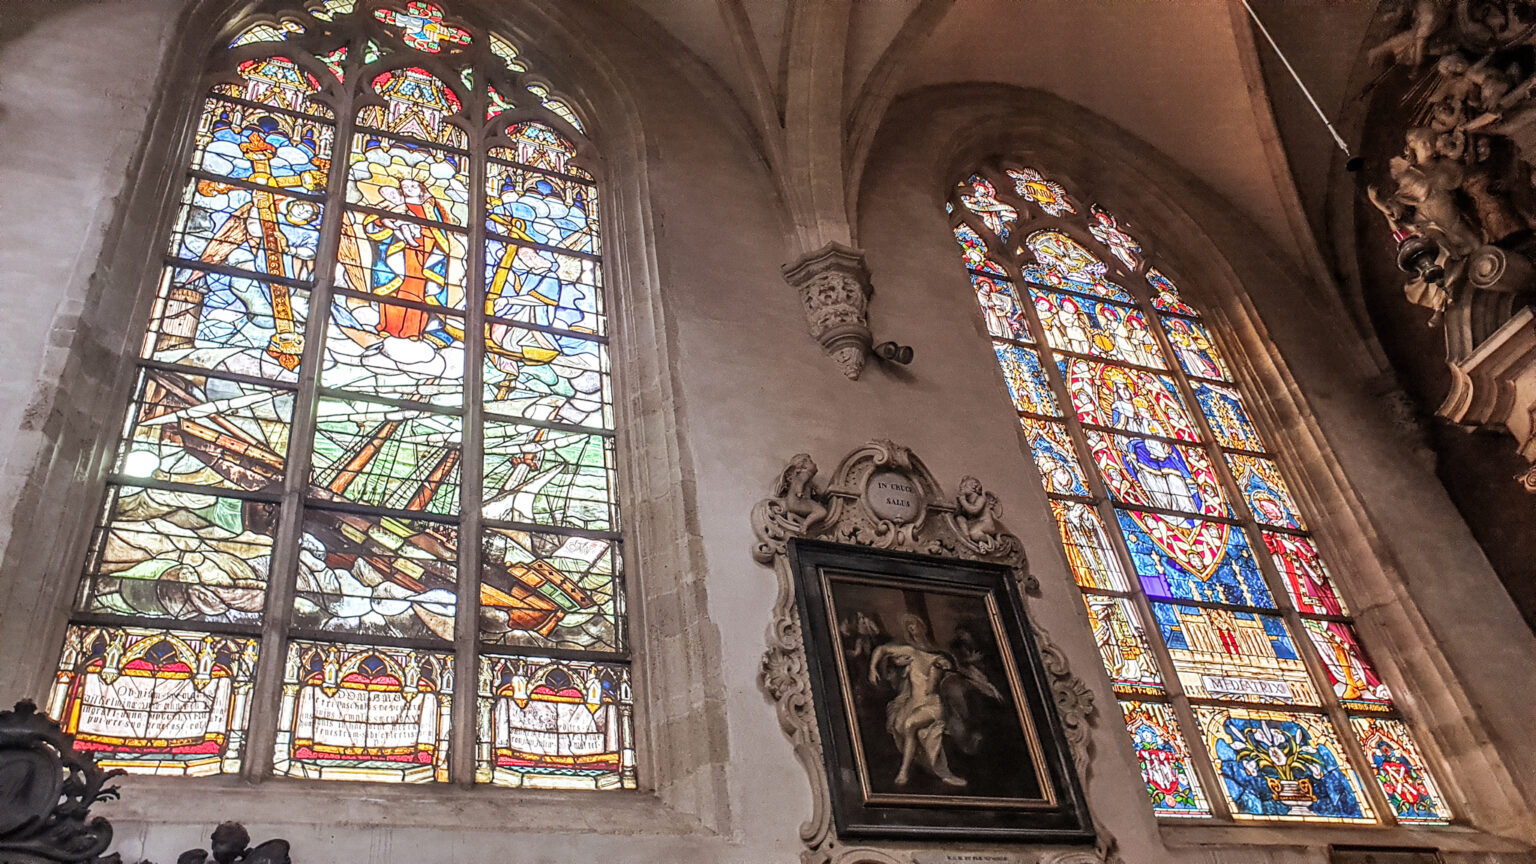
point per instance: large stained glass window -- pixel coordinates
(1245, 688)
(362, 521)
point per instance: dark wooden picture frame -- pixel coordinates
(935, 716)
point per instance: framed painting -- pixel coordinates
(935, 716)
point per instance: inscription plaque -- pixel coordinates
(893, 495)
(966, 858)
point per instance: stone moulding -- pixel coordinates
(965, 527)
(834, 286)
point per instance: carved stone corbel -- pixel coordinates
(834, 287)
(928, 522)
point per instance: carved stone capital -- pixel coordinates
(834, 287)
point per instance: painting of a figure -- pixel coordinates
(932, 696)
(934, 707)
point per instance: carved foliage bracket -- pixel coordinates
(834, 287)
(882, 496)
(46, 792)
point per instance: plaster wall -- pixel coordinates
(79, 78)
(745, 389)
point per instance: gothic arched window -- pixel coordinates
(1249, 696)
(362, 521)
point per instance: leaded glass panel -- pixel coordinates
(1122, 642)
(1172, 782)
(360, 712)
(555, 724)
(1129, 400)
(1231, 597)
(1026, 379)
(226, 323)
(154, 701)
(454, 299)
(164, 553)
(1055, 456)
(1399, 768)
(1278, 765)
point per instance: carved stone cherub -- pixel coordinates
(232, 845)
(1409, 46)
(1427, 182)
(976, 514)
(796, 492)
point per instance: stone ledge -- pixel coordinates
(172, 801)
(1447, 838)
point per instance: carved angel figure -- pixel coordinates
(232, 845)
(1427, 182)
(1409, 46)
(976, 514)
(797, 494)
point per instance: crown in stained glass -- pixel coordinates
(1031, 185)
(422, 27)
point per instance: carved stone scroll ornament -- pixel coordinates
(1461, 205)
(834, 287)
(882, 496)
(46, 792)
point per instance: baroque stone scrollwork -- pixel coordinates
(1461, 205)
(882, 496)
(834, 287)
(46, 793)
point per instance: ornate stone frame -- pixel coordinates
(965, 527)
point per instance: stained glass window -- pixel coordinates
(1246, 689)
(371, 438)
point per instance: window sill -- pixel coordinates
(1446, 838)
(205, 802)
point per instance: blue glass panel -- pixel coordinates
(1282, 766)
(1192, 559)
(261, 232)
(1155, 473)
(536, 207)
(261, 146)
(1026, 379)
(1265, 491)
(228, 323)
(534, 286)
(1229, 421)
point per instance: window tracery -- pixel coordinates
(365, 491)
(1245, 690)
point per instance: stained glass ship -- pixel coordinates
(535, 596)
